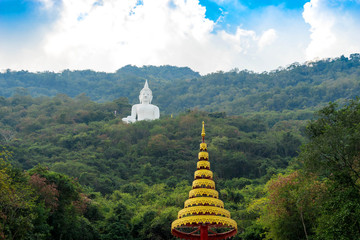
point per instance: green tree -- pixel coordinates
(67, 202)
(290, 208)
(333, 154)
(118, 225)
(17, 202)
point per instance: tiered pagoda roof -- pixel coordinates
(203, 212)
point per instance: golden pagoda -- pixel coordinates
(203, 216)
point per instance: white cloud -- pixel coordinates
(267, 38)
(47, 4)
(116, 33)
(110, 34)
(123, 32)
(334, 31)
(105, 35)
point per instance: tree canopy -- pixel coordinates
(320, 200)
(297, 87)
(71, 169)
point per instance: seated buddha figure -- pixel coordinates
(145, 110)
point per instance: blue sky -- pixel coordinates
(235, 13)
(206, 35)
(15, 12)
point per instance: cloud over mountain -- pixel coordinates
(107, 34)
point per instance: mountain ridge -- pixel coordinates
(177, 89)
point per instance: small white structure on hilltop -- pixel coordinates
(145, 110)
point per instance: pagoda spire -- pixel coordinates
(203, 132)
(203, 213)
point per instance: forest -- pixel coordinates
(297, 87)
(71, 169)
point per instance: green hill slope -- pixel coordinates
(129, 180)
(85, 139)
(176, 89)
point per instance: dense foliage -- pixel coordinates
(321, 200)
(312, 196)
(176, 90)
(71, 169)
(87, 140)
(134, 177)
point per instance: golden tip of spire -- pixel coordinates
(203, 129)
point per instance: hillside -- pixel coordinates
(138, 173)
(84, 139)
(90, 176)
(297, 87)
(74, 167)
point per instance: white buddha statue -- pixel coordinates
(145, 110)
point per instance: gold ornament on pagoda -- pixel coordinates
(203, 212)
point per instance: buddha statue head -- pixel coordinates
(145, 94)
